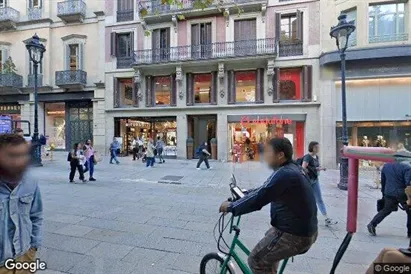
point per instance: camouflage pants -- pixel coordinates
(277, 246)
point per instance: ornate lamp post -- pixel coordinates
(36, 51)
(341, 33)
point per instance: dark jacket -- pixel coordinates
(293, 207)
(395, 177)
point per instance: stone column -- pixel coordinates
(270, 74)
(221, 87)
(99, 126)
(182, 136)
(181, 102)
(222, 137)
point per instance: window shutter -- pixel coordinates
(213, 95)
(278, 26)
(173, 99)
(116, 94)
(189, 90)
(149, 91)
(113, 44)
(299, 25)
(307, 83)
(30, 4)
(67, 57)
(131, 43)
(81, 56)
(259, 89)
(231, 87)
(276, 85)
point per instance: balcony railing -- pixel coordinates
(11, 80)
(290, 48)
(34, 14)
(125, 15)
(9, 14)
(71, 78)
(388, 38)
(219, 50)
(71, 8)
(30, 82)
(156, 7)
(124, 62)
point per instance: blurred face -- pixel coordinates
(205, 143)
(272, 158)
(14, 160)
(79, 146)
(88, 142)
(316, 149)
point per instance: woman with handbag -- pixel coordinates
(90, 159)
(76, 162)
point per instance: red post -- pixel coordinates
(352, 210)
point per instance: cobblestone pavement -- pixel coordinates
(127, 222)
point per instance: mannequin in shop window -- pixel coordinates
(380, 141)
(365, 142)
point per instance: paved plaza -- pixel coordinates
(128, 222)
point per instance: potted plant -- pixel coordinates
(9, 66)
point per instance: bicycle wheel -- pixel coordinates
(211, 264)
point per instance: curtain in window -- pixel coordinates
(195, 41)
(299, 25)
(156, 49)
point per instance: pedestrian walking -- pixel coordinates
(89, 153)
(140, 146)
(203, 155)
(135, 146)
(21, 208)
(77, 161)
(395, 177)
(311, 164)
(150, 153)
(160, 148)
(114, 147)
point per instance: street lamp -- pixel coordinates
(36, 51)
(341, 33)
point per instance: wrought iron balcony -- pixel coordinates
(124, 62)
(71, 79)
(10, 81)
(290, 48)
(8, 18)
(34, 14)
(219, 50)
(388, 38)
(155, 7)
(30, 82)
(125, 15)
(71, 11)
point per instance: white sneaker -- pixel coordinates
(329, 222)
(210, 167)
(198, 168)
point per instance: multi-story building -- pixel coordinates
(71, 76)
(378, 75)
(215, 74)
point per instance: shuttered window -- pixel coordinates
(125, 10)
(160, 44)
(201, 40)
(245, 35)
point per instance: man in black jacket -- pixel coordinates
(293, 210)
(395, 177)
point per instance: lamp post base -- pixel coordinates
(343, 184)
(36, 154)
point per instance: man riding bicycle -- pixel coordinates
(293, 210)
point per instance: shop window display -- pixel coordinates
(245, 84)
(162, 90)
(290, 84)
(126, 92)
(247, 135)
(55, 124)
(202, 88)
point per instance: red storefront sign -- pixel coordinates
(267, 121)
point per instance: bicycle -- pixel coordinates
(224, 260)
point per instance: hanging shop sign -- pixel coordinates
(246, 120)
(10, 109)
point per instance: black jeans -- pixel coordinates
(203, 158)
(160, 155)
(135, 153)
(390, 205)
(73, 166)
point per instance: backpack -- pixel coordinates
(198, 150)
(69, 158)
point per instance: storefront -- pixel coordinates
(246, 131)
(147, 127)
(55, 124)
(392, 134)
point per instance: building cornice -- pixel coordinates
(358, 54)
(5, 43)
